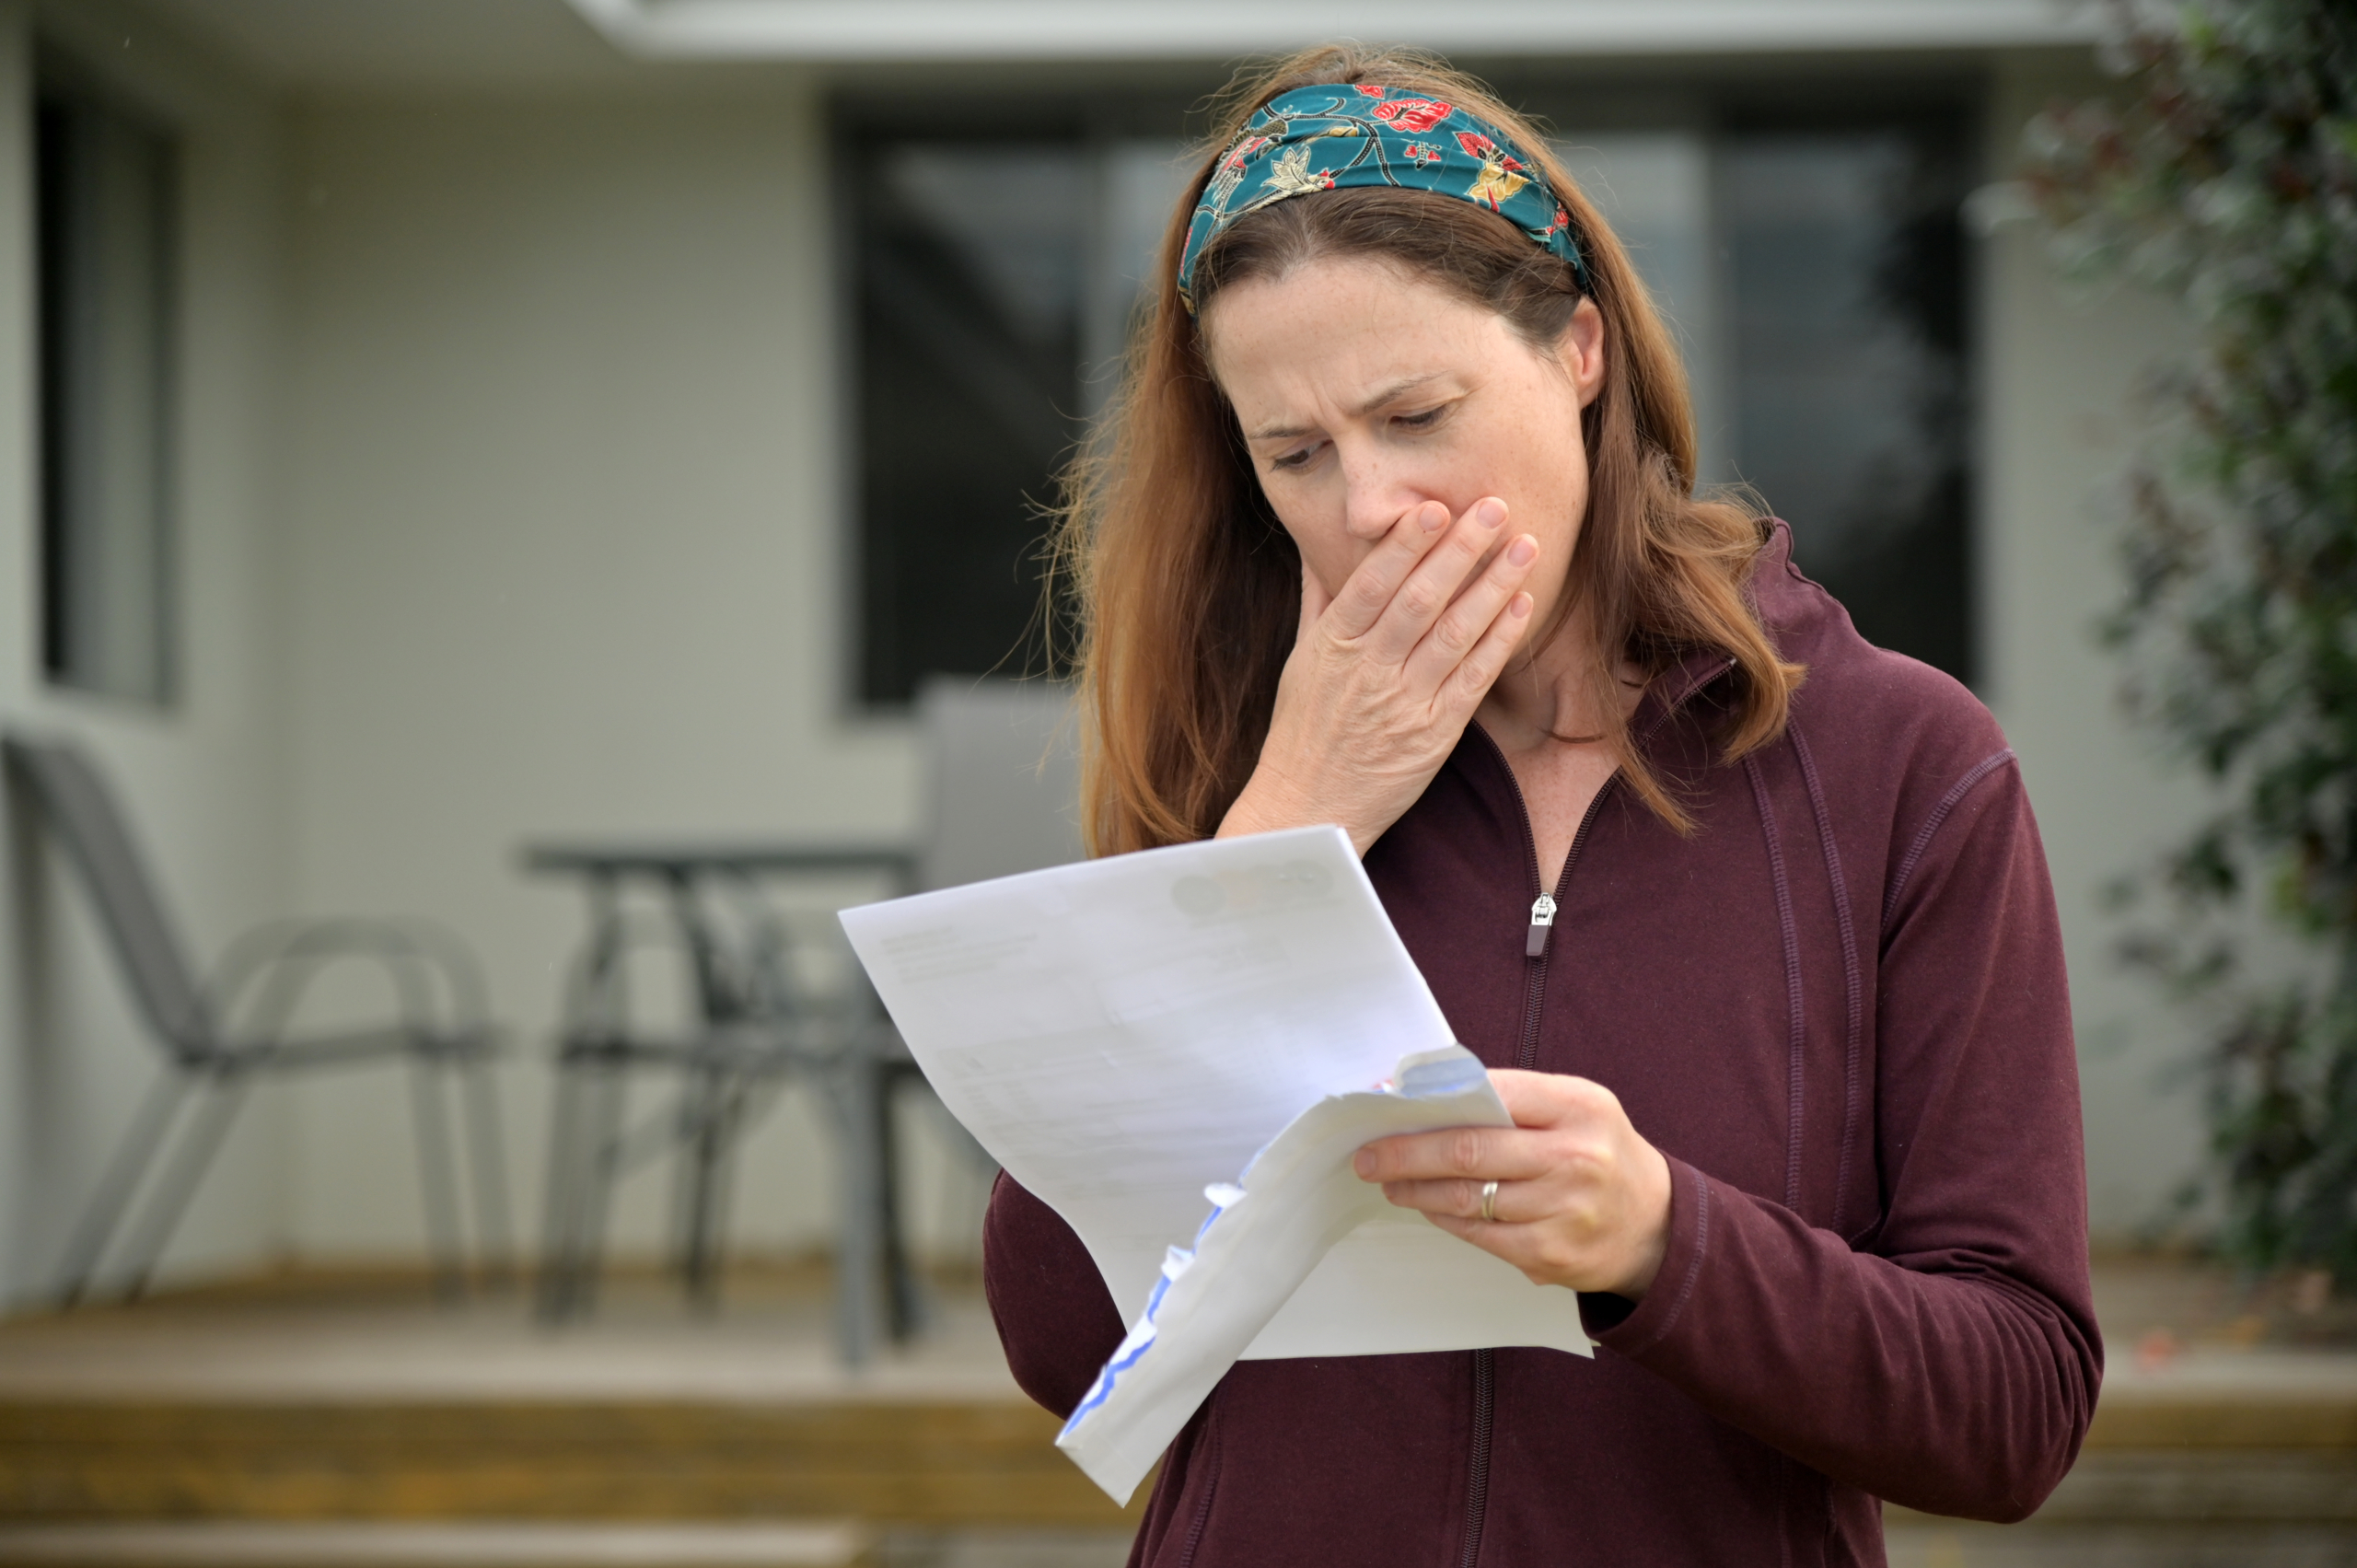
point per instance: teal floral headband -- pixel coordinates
(1333, 138)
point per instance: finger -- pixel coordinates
(1474, 1153)
(1368, 593)
(1463, 625)
(1470, 682)
(1551, 1100)
(1429, 589)
(1523, 1245)
(1489, 1238)
(1461, 1198)
(1314, 600)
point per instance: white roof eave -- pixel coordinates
(847, 31)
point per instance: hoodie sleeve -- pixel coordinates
(1944, 1355)
(1055, 1318)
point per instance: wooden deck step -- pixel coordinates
(836, 1544)
(2197, 1456)
(898, 1462)
(2250, 1440)
(320, 1399)
(373, 1410)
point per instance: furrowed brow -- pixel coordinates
(1278, 433)
(1395, 390)
(1390, 392)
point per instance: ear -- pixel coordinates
(1582, 349)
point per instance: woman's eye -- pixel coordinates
(1294, 459)
(1423, 421)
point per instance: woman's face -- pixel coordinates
(1365, 392)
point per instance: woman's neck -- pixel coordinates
(1557, 697)
(1549, 715)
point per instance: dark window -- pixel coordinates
(105, 241)
(1813, 270)
(1848, 408)
(970, 263)
(995, 256)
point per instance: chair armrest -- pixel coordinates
(263, 979)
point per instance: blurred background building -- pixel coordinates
(434, 426)
(432, 429)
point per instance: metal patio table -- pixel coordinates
(755, 1024)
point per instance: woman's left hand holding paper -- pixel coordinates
(1582, 1200)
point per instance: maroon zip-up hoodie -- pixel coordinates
(1838, 1009)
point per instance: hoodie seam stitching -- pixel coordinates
(1211, 1485)
(1693, 1267)
(1796, 1031)
(1932, 825)
(1853, 973)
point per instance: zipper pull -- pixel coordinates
(1542, 920)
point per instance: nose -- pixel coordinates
(1376, 494)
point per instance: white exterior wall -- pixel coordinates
(561, 497)
(2059, 367)
(202, 779)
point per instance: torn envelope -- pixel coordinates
(1266, 1235)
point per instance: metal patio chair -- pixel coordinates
(220, 1037)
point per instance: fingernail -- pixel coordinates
(1522, 552)
(1490, 512)
(1434, 517)
(1521, 606)
(1363, 1163)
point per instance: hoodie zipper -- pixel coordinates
(1535, 954)
(1536, 941)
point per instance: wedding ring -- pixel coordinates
(1489, 1203)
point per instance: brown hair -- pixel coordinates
(1189, 590)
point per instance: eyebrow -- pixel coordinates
(1390, 392)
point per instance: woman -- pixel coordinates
(1396, 529)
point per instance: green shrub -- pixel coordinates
(2225, 173)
